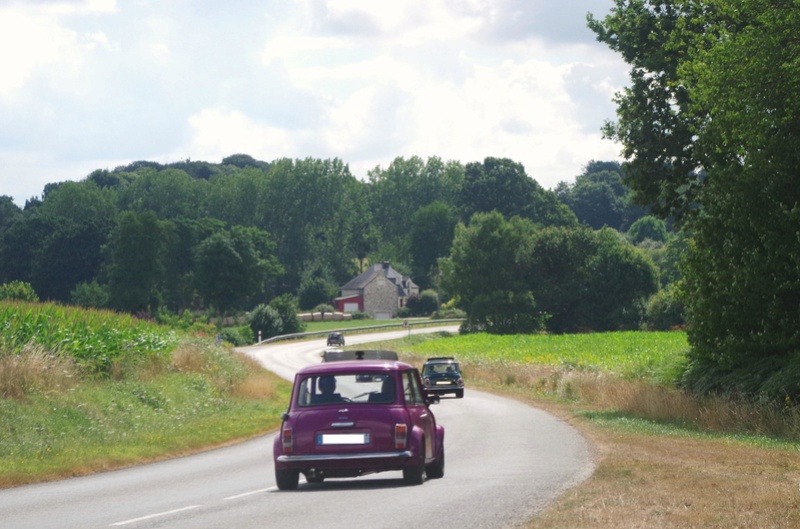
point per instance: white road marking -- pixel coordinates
(259, 491)
(150, 516)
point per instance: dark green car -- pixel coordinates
(442, 375)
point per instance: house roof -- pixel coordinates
(403, 283)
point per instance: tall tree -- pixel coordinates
(431, 236)
(234, 268)
(600, 198)
(9, 212)
(170, 193)
(500, 184)
(314, 206)
(136, 261)
(711, 130)
(484, 273)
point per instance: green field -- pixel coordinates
(656, 356)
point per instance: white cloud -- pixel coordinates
(219, 132)
(365, 81)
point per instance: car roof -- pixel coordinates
(440, 360)
(336, 355)
(349, 366)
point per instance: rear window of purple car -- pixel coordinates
(356, 388)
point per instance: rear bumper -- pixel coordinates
(443, 389)
(314, 458)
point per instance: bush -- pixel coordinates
(266, 320)
(664, 310)
(314, 291)
(287, 307)
(324, 308)
(238, 336)
(450, 313)
(18, 290)
(423, 304)
(89, 295)
(647, 227)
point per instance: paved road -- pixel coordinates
(505, 461)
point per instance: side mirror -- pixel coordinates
(284, 415)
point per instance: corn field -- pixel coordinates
(95, 339)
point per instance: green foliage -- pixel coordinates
(483, 272)
(9, 212)
(424, 304)
(510, 277)
(97, 340)
(599, 197)
(647, 227)
(324, 308)
(500, 184)
(315, 206)
(395, 193)
(432, 229)
(287, 307)
(586, 280)
(89, 295)
(136, 261)
(709, 126)
(316, 290)
(18, 290)
(266, 322)
(665, 310)
(232, 265)
(238, 336)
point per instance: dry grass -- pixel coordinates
(259, 384)
(648, 401)
(250, 381)
(35, 369)
(675, 480)
(648, 481)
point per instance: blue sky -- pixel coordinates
(94, 84)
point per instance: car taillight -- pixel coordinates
(427, 382)
(460, 381)
(400, 436)
(287, 440)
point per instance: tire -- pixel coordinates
(287, 479)
(459, 393)
(416, 475)
(436, 469)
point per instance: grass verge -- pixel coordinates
(63, 426)
(664, 459)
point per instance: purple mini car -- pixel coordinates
(355, 417)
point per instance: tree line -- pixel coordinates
(231, 236)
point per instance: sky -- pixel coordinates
(96, 84)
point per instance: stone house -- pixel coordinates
(380, 291)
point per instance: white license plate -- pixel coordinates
(443, 383)
(343, 439)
